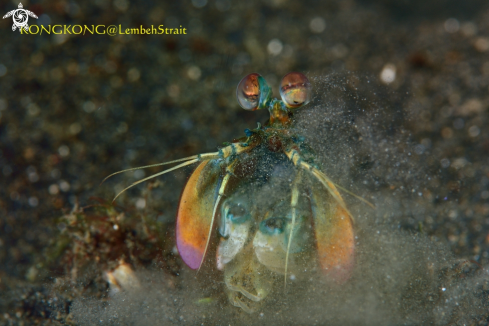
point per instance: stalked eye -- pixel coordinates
(295, 90)
(274, 225)
(253, 92)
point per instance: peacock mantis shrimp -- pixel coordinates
(274, 210)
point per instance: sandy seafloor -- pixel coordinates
(75, 108)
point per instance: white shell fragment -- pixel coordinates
(122, 278)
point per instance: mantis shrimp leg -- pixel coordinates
(295, 157)
(293, 205)
(222, 188)
(333, 226)
(261, 293)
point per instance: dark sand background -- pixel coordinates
(74, 109)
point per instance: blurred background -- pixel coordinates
(75, 108)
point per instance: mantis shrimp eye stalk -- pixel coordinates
(253, 92)
(295, 90)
